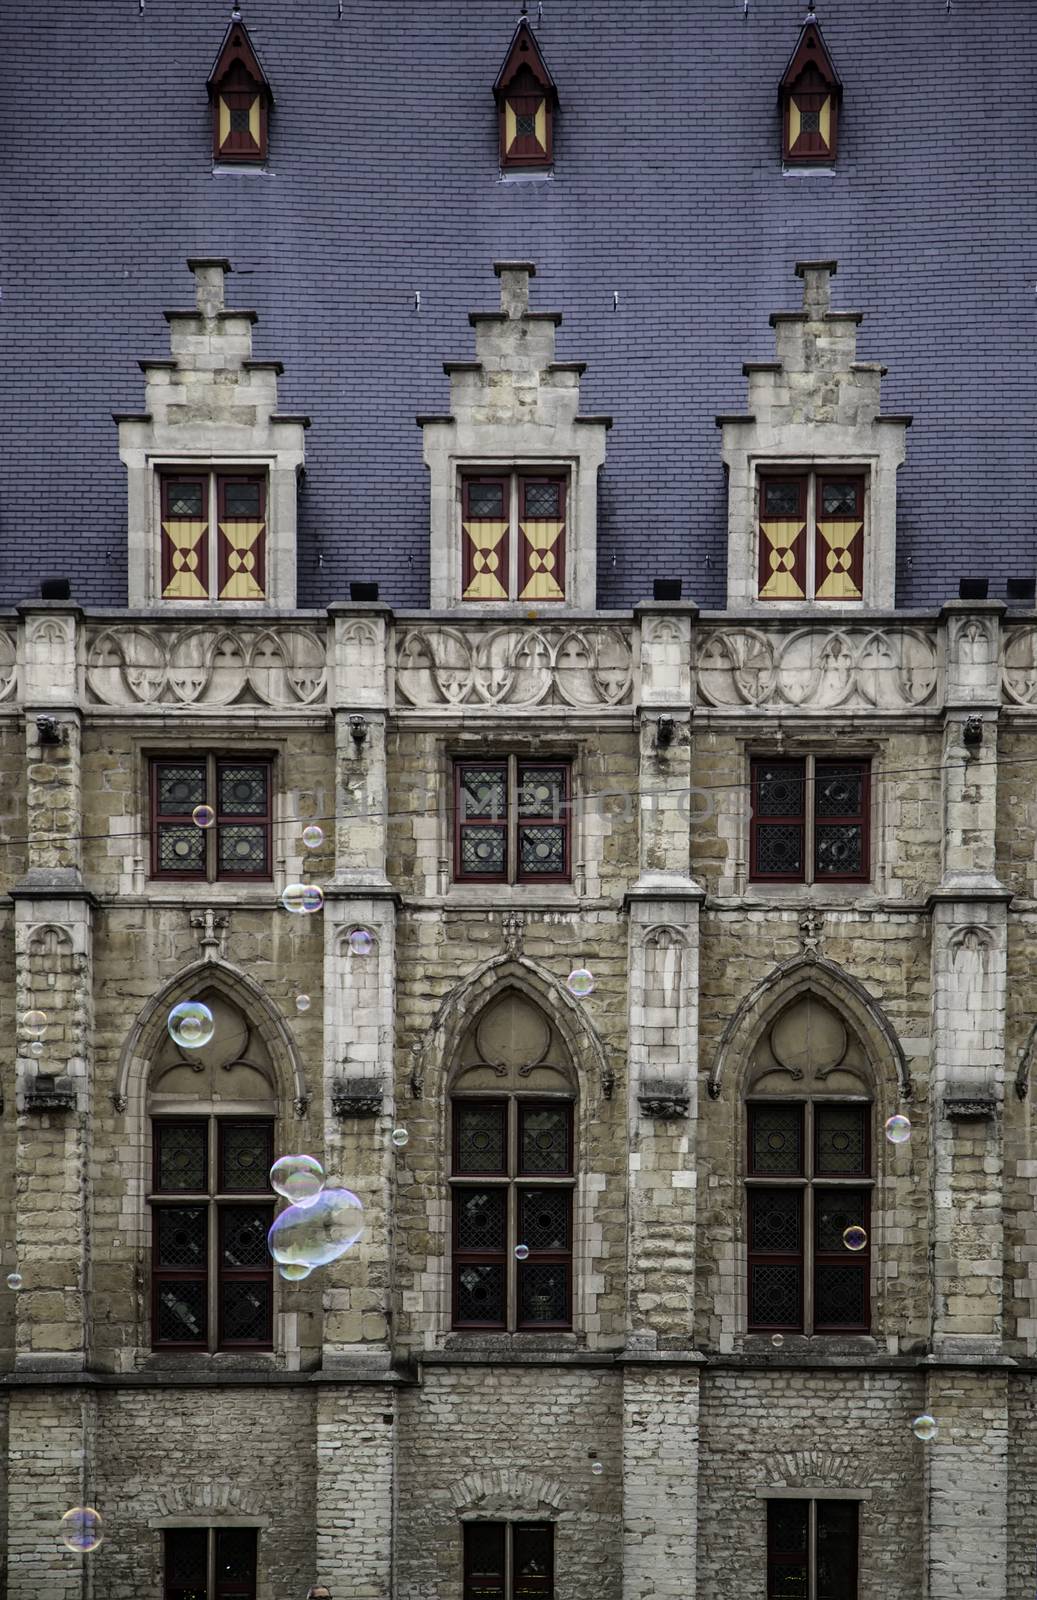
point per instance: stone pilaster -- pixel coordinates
(966, 1474)
(356, 1450)
(51, 1458)
(660, 1481)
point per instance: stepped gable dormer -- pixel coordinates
(241, 97)
(514, 467)
(810, 93)
(526, 101)
(212, 465)
(812, 467)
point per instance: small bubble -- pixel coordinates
(313, 836)
(191, 1024)
(597, 1468)
(302, 1002)
(302, 897)
(33, 1023)
(318, 1233)
(299, 1178)
(898, 1129)
(777, 1340)
(855, 1238)
(400, 1137)
(361, 942)
(580, 983)
(82, 1529)
(293, 1271)
(925, 1428)
(15, 1280)
(203, 816)
(36, 1048)
(522, 1252)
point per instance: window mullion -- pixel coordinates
(212, 797)
(811, 553)
(213, 1273)
(513, 542)
(811, 1549)
(809, 803)
(808, 1219)
(512, 804)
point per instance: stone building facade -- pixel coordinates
(408, 1428)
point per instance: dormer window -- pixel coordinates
(241, 98)
(526, 100)
(809, 95)
(513, 536)
(231, 566)
(811, 534)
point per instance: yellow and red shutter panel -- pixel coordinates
(185, 538)
(542, 535)
(242, 537)
(810, 93)
(485, 522)
(839, 547)
(526, 99)
(783, 538)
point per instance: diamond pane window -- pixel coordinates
(837, 1540)
(210, 1563)
(533, 1561)
(812, 1549)
(486, 499)
(508, 1561)
(804, 1187)
(186, 1563)
(485, 1560)
(480, 1136)
(186, 499)
(212, 1285)
(231, 848)
(809, 820)
(788, 1561)
(512, 821)
(494, 1286)
(545, 1138)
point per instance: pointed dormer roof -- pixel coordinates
(523, 51)
(810, 51)
(237, 49)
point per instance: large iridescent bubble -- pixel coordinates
(299, 1178)
(191, 1024)
(318, 1233)
(302, 898)
(82, 1529)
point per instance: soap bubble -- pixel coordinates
(302, 897)
(313, 836)
(36, 1048)
(580, 983)
(361, 942)
(317, 1233)
(190, 1024)
(925, 1428)
(14, 1280)
(399, 1137)
(597, 1468)
(203, 816)
(33, 1023)
(82, 1529)
(777, 1340)
(293, 1271)
(302, 1002)
(522, 1252)
(898, 1129)
(855, 1238)
(299, 1178)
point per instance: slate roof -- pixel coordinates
(383, 179)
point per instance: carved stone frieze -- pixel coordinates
(356, 1097)
(515, 666)
(8, 664)
(969, 1107)
(894, 668)
(665, 1101)
(205, 666)
(1019, 665)
(47, 1092)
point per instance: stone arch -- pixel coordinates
(506, 1492)
(144, 1037)
(827, 981)
(203, 1498)
(436, 1052)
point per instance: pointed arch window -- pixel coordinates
(526, 99)
(810, 94)
(241, 99)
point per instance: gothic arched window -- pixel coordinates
(809, 1177)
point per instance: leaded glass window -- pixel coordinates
(210, 1563)
(806, 1163)
(508, 1561)
(512, 1242)
(809, 820)
(212, 1285)
(512, 820)
(232, 847)
(812, 1549)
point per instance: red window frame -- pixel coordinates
(562, 1258)
(527, 481)
(485, 1583)
(780, 1560)
(776, 1258)
(540, 1587)
(799, 566)
(168, 482)
(487, 1103)
(809, 92)
(812, 1516)
(206, 1545)
(212, 767)
(469, 1257)
(514, 823)
(223, 480)
(860, 819)
(204, 1200)
(503, 482)
(858, 767)
(239, 88)
(856, 478)
(524, 95)
(858, 1261)
(792, 819)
